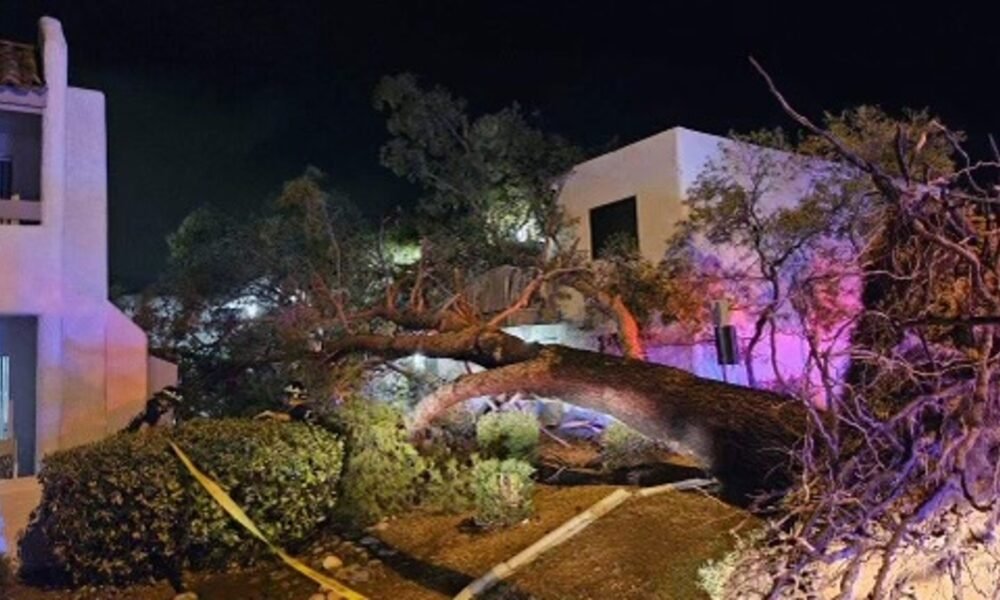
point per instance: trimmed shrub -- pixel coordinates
(623, 446)
(503, 492)
(449, 485)
(125, 508)
(508, 434)
(383, 473)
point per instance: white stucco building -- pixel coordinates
(639, 190)
(73, 368)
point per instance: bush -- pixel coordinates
(508, 434)
(715, 577)
(384, 473)
(623, 446)
(503, 492)
(125, 509)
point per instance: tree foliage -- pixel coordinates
(490, 182)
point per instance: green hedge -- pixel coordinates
(125, 509)
(503, 492)
(508, 434)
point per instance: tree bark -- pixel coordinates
(741, 435)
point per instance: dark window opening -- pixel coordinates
(612, 225)
(6, 177)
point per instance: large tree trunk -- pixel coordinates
(741, 435)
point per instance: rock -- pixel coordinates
(369, 541)
(318, 596)
(359, 576)
(380, 526)
(332, 563)
(186, 596)
(386, 552)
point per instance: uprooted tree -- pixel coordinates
(897, 481)
(303, 289)
(901, 460)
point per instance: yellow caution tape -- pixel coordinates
(237, 513)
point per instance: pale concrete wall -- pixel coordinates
(84, 382)
(648, 170)
(18, 497)
(127, 370)
(92, 360)
(85, 237)
(160, 374)
(659, 171)
(104, 366)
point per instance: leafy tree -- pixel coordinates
(243, 300)
(330, 300)
(490, 182)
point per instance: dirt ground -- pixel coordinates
(648, 548)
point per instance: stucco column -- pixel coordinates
(53, 187)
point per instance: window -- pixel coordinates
(5, 429)
(613, 223)
(6, 177)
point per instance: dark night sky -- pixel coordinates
(221, 101)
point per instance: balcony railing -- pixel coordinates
(17, 211)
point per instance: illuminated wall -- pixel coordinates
(92, 364)
(657, 172)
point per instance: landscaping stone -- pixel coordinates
(332, 563)
(186, 596)
(359, 575)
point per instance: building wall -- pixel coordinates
(648, 170)
(159, 374)
(92, 370)
(85, 258)
(659, 171)
(127, 367)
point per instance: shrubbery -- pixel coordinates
(383, 471)
(503, 492)
(508, 434)
(623, 446)
(385, 474)
(125, 509)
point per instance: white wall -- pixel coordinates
(92, 360)
(648, 170)
(659, 171)
(85, 256)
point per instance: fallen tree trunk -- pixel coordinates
(743, 436)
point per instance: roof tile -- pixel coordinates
(18, 66)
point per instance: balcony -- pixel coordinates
(18, 211)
